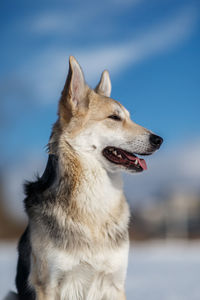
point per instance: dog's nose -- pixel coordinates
(155, 141)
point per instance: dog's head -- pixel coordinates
(97, 126)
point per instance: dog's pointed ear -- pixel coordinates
(74, 92)
(104, 86)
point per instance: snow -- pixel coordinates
(167, 271)
(157, 270)
(8, 260)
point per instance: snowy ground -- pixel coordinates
(157, 270)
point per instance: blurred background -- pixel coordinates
(152, 51)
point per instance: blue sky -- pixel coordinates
(151, 48)
(152, 51)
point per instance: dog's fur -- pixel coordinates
(76, 244)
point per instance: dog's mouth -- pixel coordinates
(125, 159)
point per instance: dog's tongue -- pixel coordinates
(141, 162)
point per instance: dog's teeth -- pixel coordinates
(115, 152)
(136, 162)
(119, 155)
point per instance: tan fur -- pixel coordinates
(84, 255)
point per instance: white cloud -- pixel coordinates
(74, 19)
(57, 23)
(48, 70)
(158, 39)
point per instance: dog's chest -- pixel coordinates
(80, 274)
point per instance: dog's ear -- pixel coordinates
(74, 93)
(104, 86)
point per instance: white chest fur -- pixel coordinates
(99, 189)
(95, 273)
(93, 278)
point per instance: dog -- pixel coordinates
(76, 244)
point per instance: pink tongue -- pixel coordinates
(142, 162)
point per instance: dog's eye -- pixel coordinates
(115, 117)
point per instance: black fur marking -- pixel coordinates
(33, 190)
(23, 268)
(44, 182)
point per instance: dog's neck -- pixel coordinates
(83, 193)
(83, 180)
